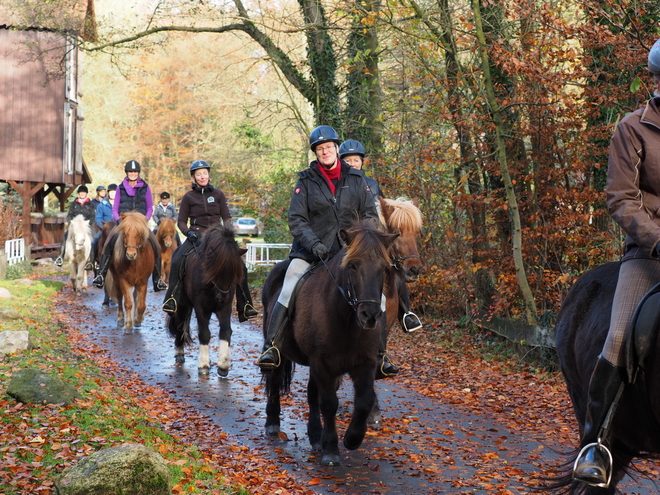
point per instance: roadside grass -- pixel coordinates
(38, 441)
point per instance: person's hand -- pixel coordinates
(193, 236)
(319, 250)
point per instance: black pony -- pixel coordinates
(334, 328)
(581, 330)
(212, 271)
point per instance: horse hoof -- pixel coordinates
(138, 325)
(330, 460)
(375, 418)
(120, 323)
(273, 430)
(203, 371)
(223, 371)
(316, 446)
(128, 331)
(353, 442)
(179, 359)
(105, 306)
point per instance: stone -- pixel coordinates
(33, 386)
(14, 341)
(4, 293)
(127, 469)
(24, 281)
(9, 314)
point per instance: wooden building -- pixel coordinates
(41, 122)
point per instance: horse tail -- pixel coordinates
(110, 286)
(281, 376)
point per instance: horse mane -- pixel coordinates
(166, 227)
(79, 223)
(366, 240)
(132, 223)
(220, 255)
(404, 217)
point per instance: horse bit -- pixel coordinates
(349, 293)
(397, 259)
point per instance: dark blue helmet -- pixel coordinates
(322, 134)
(351, 147)
(654, 58)
(197, 164)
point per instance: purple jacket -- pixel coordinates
(146, 208)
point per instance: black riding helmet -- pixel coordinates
(196, 165)
(323, 134)
(164, 195)
(351, 147)
(132, 166)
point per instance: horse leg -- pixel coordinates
(120, 304)
(275, 383)
(314, 426)
(363, 403)
(375, 416)
(204, 334)
(224, 356)
(328, 403)
(128, 307)
(141, 304)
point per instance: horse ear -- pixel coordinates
(390, 238)
(343, 234)
(243, 251)
(415, 202)
(385, 207)
(122, 215)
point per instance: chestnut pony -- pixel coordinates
(166, 237)
(335, 324)
(131, 265)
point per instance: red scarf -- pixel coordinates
(330, 175)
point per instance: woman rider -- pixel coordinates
(633, 201)
(202, 207)
(328, 196)
(133, 194)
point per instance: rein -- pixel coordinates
(348, 294)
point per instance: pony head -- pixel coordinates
(133, 233)
(402, 215)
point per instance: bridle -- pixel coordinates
(349, 293)
(397, 259)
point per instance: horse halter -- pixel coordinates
(349, 294)
(397, 259)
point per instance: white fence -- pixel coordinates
(15, 251)
(261, 254)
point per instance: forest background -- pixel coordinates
(495, 114)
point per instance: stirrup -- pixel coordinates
(89, 267)
(606, 455)
(59, 261)
(249, 311)
(269, 366)
(382, 363)
(172, 308)
(99, 281)
(414, 327)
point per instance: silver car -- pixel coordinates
(246, 226)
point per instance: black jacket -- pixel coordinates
(202, 207)
(315, 215)
(85, 209)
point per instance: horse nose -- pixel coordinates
(369, 315)
(131, 256)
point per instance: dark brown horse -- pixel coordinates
(212, 271)
(131, 265)
(335, 327)
(166, 237)
(581, 330)
(105, 233)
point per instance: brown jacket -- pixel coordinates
(633, 180)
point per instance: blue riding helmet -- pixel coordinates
(322, 134)
(351, 147)
(654, 58)
(196, 165)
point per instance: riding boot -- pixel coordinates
(159, 284)
(244, 305)
(89, 266)
(270, 357)
(99, 280)
(59, 261)
(593, 465)
(385, 367)
(174, 286)
(409, 320)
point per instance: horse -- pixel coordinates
(166, 237)
(581, 329)
(130, 267)
(211, 273)
(78, 246)
(334, 328)
(105, 233)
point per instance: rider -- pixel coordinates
(80, 206)
(133, 194)
(165, 209)
(352, 152)
(101, 193)
(633, 197)
(328, 196)
(103, 215)
(203, 207)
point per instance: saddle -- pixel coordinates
(642, 332)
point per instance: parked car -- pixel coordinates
(246, 226)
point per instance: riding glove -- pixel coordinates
(319, 250)
(193, 236)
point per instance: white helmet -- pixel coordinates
(654, 58)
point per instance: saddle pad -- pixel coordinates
(642, 332)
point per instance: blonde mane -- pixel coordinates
(405, 216)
